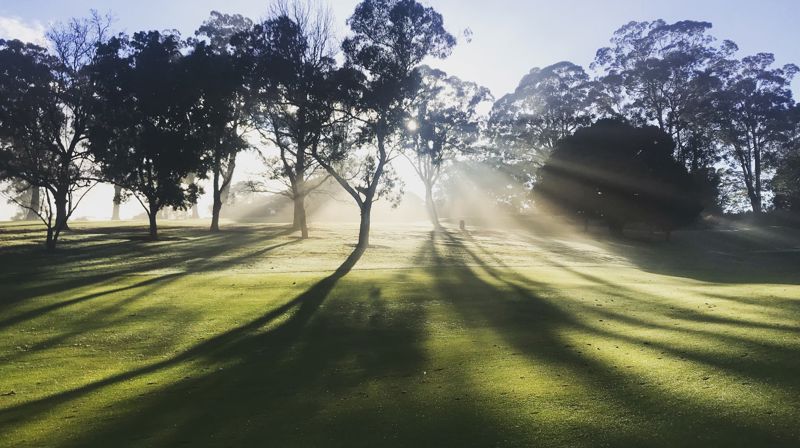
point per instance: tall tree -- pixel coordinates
(445, 122)
(753, 116)
(147, 140)
(666, 75)
(548, 104)
(219, 77)
(389, 40)
(293, 71)
(45, 118)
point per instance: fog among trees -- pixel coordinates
(163, 117)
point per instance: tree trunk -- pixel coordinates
(33, 207)
(295, 214)
(363, 229)
(430, 205)
(61, 212)
(117, 200)
(227, 178)
(50, 243)
(153, 225)
(217, 205)
(215, 209)
(299, 199)
(755, 203)
(299, 220)
(757, 168)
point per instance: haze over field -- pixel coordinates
(396, 223)
(506, 39)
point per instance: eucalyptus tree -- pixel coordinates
(753, 117)
(666, 74)
(45, 118)
(292, 70)
(389, 40)
(219, 77)
(548, 104)
(445, 121)
(148, 138)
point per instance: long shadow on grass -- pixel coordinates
(346, 373)
(33, 272)
(105, 315)
(245, 355)
(765, 358)
(534, 326)
(730, 256)
(293, 384)
(686, 257)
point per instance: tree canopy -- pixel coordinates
(147, 141)
(620, 174)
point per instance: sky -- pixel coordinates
(509, 37)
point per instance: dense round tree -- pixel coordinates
(150, 136)
(620, 174)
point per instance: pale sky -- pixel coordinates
(509, 37)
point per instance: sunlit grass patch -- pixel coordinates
(510, 338)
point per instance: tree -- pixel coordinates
(753, 110)
(117, 201)
(445, 122)
(389, 40)
(667, 75)
(219, 78)
(786, 182)
(45, 118)
(147, 140)
(621, 174)
(293, 72)
(548, 104)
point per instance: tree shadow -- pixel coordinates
(32, 272)
(313, 371)
(533, 320)
(242, 346)
(334, 362)
(722, 254)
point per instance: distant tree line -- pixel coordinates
(730, 120)
(670, 117)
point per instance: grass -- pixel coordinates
(527, 337)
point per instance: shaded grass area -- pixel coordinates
(530, 337)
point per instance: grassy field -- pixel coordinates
(529, 337)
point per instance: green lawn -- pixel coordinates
(532, 337)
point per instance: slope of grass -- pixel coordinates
(529, 337)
